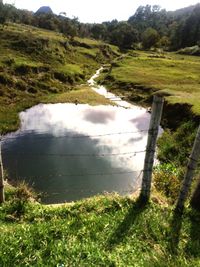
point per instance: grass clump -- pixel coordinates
(167, 179)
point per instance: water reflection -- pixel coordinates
(73, 151)
(99, 116)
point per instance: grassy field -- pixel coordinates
(143, 73)
(101, 231)
(43, 66)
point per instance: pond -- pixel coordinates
(69, 152)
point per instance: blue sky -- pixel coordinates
(98, 10)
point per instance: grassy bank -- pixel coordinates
(141, 74)
(100, 231)
(41, 66)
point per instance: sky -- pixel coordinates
(98, 10)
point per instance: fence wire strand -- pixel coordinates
(77, 136)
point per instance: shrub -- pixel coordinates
(17, 200)
(167, 180)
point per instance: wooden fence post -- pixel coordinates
(2, 197)
(157, 109)
(191, 167)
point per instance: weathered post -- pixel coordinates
(191, 167)
(2, 197)
(157, 109)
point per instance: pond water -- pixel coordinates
(69, 151)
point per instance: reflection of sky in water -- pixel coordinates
(50, 150)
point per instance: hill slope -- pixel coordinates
(141, 74)
(36, 65)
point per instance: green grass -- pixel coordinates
(80, 95)
(101, 231)
(71, 69)
(175, 76)
(40, 66)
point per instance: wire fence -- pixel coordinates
(132, 153)
(42, 134)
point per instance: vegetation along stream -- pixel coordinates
(72, 151)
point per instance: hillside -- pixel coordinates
(139, 75)
(39, 65)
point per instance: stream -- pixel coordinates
(68, 152)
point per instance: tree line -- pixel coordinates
(150, 26)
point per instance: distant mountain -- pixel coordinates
(44, 9)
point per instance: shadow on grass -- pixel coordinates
(123, 228)
(174, 231)
(193, 245)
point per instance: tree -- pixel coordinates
(70, 27)
(4, 12)
(141, 17)
(150, 16)
(124, 35)
(191, 29)
(98, 31)
(149, 38)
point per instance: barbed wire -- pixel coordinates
(92, 174)
(134, 153)
(39, 136)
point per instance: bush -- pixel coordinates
(167, 180)
(17, 200)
